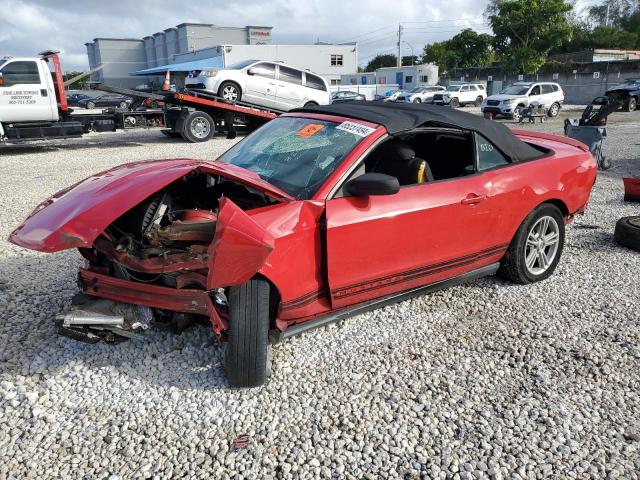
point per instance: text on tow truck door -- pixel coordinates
(26, 92)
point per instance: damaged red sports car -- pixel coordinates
(321, 213)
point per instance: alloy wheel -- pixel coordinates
(542, 245)
(230, 93)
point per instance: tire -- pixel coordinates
(517, 113)
(627, 232)
(454, 103)
(554, 109)
(198, 127)
(310, 104)
(124, 105)
(417, 100)
(478, 101)
(247, 354)
(91, 105)
(516, 265)
(631, 105)
(230, 91)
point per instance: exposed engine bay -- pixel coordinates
(162, 241)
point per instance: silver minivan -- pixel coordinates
(268, 84)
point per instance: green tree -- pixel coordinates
(526, 30)
(380, 61)
(80, 84)
(466, 49)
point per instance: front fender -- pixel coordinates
(239, 249)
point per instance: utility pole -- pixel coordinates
(606, 18)
(399, 62)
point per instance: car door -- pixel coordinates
(261, 84)
(290, 92)
(25, 94)
(464, 94)
(535, 94)
(426, 233)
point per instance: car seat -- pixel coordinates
(398, 159)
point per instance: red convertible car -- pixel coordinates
(322, 213)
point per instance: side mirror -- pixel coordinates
(251, 71)
(372, 184)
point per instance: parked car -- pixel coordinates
(457, 95)
(394, 96)
(106, 100)
(346, 96)
(74, 98)
(420, 94)
(514, 98)
(628, 92)
(268, 84)
(319, 214)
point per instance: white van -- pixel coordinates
(268, 84)
(519, 95)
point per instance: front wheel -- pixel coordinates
(417, 100)
(124, 105)
(535, 250)
(247, 354)
(230, 92)
(91, 105)
(632, 104)
(454, 103)
(310, 104)
(517, 113)
(554, 109)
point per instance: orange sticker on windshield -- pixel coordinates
(309, 130)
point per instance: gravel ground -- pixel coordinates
(488, 380)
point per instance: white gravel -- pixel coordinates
(489, 380)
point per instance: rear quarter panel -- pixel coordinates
(566, 178)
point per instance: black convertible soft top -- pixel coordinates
(400, 117)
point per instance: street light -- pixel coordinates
(413, 55)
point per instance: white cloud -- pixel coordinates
(37, 25)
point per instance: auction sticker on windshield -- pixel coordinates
(309, 130)
(356, 129)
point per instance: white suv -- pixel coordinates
(459, 94)
(268, 84)
(420, 94)
(521, 94)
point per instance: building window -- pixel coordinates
(424, 79)
(408, 79)
(336, 60)
(335, 81)
(353, 81)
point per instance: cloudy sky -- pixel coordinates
(31, 26)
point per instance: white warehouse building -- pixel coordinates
(196, 46)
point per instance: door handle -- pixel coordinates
(43, 92)
(473, 199)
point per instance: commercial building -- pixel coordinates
(594, 55)
(196, 46)
(405, 77)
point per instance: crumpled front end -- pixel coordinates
(168, 239)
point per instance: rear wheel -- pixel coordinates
(230, 92)
(478, 101)
(91, 105)
(417, 100)
(554, 109)
(310, 104)
(627, 232)
(631, 104)
(198, 127)
(247, 354)
(535, 250)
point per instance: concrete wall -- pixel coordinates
(171, 43)
(160, 44)
(316, 58)
(581, 82)
(150, 52)
(119, 57)
(367, 78)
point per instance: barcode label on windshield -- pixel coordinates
(355, 128)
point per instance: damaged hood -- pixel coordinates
(76, 216)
